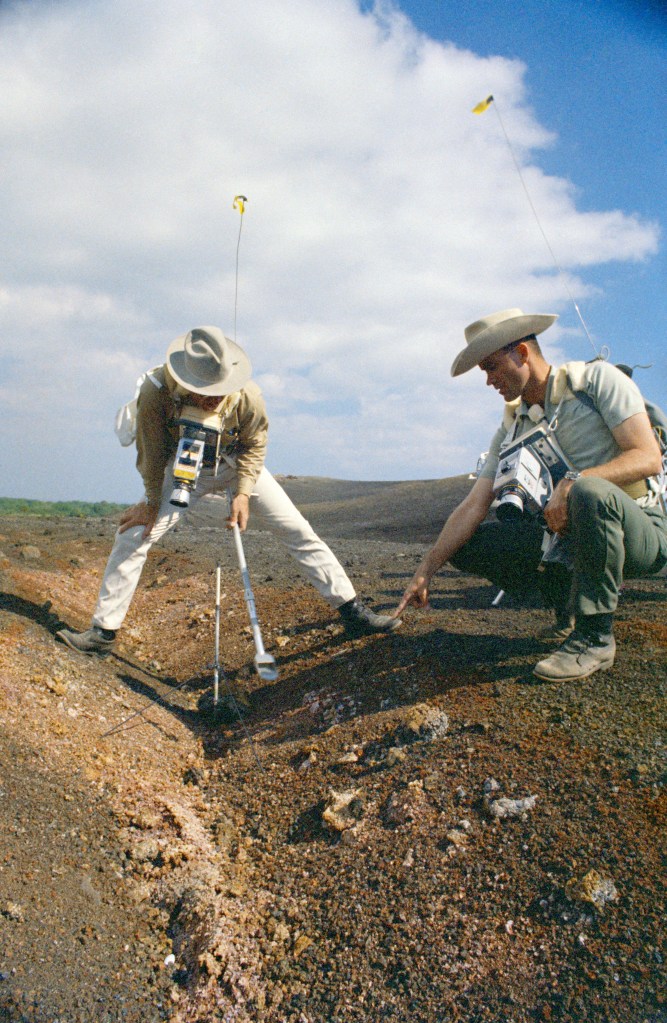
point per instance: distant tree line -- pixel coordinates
(68, 509)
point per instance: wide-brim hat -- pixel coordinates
(490, 334)
(206, 362)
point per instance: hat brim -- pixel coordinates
(233, 381)
(497, 336)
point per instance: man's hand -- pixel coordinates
(239, 513)
(555, 513)
(416, 595)
(458, 528)
(141, 514)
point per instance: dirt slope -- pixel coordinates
(403, 828)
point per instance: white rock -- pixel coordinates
(503, 807)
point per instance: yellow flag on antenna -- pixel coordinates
(484, 105)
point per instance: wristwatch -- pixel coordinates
(571, 474)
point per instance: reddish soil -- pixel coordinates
(160, 861)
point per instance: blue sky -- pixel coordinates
(597, 77)
(382, 216)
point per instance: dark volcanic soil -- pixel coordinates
(403, 827)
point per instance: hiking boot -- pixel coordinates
(559, 630)
(93, 641)
(578, 657)
(361, 621)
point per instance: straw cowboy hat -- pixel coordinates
(206, 362)
(490, 334)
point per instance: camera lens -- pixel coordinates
(510, 505)
(180, 497)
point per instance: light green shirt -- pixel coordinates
(605, 398)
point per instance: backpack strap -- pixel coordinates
(568, 383)
(510, 413)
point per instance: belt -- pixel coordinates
(636, 490)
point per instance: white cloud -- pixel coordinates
(381, 218)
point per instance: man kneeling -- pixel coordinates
(604, 521)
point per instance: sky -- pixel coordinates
(382, 215)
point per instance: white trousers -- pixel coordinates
(268, 502)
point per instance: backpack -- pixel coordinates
(658, 420)
(125, 423)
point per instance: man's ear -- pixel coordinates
(523, 351)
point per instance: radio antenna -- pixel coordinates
(479, 109)
(238, 204)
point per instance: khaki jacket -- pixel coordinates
(243, 421)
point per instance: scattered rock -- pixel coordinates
(593, 888)
(89, 889)
(224, 833)
(343, 810)
(309, 762)
(403, 807)
(146, 820)
(56, 685)
(331, 708)
(280, 932)
(503, 807)
(147, 850)
(30, 553)
(426, 723)
(396, 755)
(14, 912)
(301, 944)
(349, 758)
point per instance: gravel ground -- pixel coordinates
(401, 827)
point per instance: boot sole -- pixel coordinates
(354, 630)
(573, 678)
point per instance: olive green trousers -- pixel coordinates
(610, 538)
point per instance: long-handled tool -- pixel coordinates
(216, 662)
(264, 663)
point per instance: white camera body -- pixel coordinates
(528, 470)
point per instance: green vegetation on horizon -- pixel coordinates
(67, 509)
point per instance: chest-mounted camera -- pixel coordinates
(528, 470)
(198, 446)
